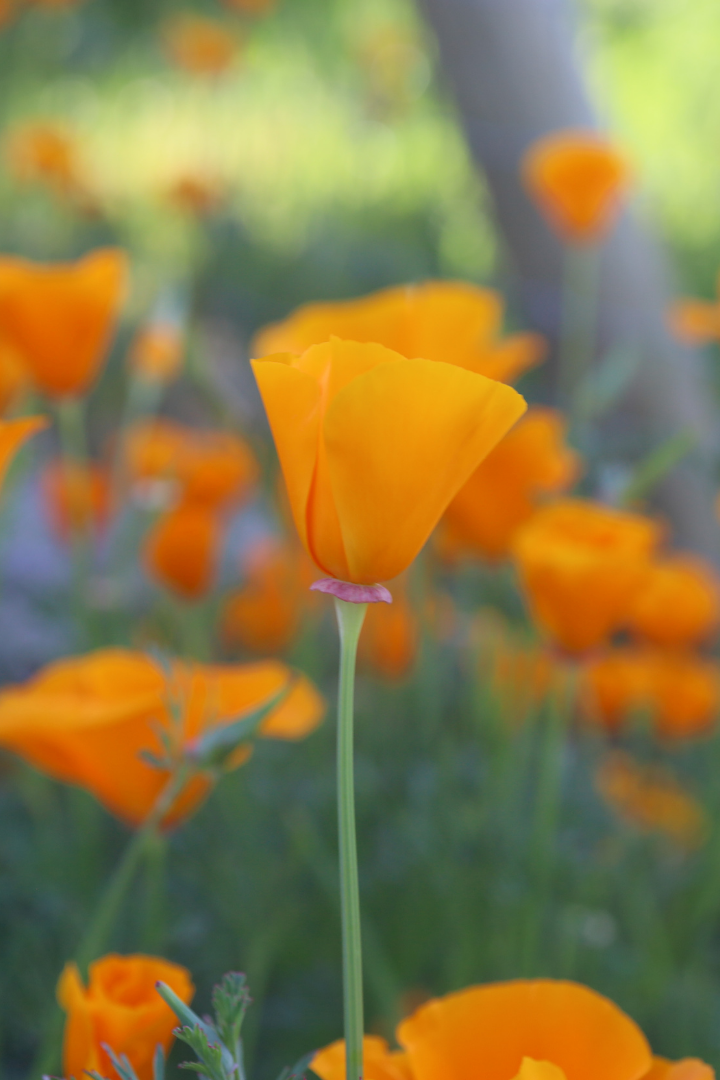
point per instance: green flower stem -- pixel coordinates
(578, 329)
(350, 620)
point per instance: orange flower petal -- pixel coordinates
(13, 433)
(539, 1070)
(182, 550)
(381, 1063)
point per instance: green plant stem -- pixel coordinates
(350, 620)
(578, 329)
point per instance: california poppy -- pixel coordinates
(88, 721)
(199, 45)
(60, 317)
(390, 636)
(678, 604)
(578, 178)
(373, 447)
(78, 497)
(687, 1069)
(151, 449)
(195, 193)
(696, 322)
(45, 152)
(530, 463)
(493, 1031)
(651, 799)
(252, 7)
(182, 549)
(156, 354)
(678, 693)
(119, 1008)
(581, 565)
(449, 321)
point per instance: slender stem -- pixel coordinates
(578, 329)
(350, 620)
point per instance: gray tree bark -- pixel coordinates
(511, 67)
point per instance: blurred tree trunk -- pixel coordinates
(511, 67)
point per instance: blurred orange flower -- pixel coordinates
(199, 45)
(196, 194)
(678, 604)
(7, 10)
(521, 676)
(373, 446)
(182, 549)
(650, 798)
(78, 497)
(679, 693)
(151, 449)
(60, 317)
(534, 1029)
(215, 468)
(390, 637)
(119, 1008)
(581, 564)
(696, 322)
(532, 461)
(46, 152)
(252, 7)
(87, 721)
(265, 615)
(156, 354)
(578, 179)
(453, 322)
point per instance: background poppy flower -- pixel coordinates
(87, 720)
(678, 604)
(119, 1008)
(581, 564)
(60, 317)
(156, 354)
(45, 152)
(578, 180)
(78, 497)
(390, 637)
(532, 461)
(182, 549)
(449, 321)
(199, 45)
(373, 446)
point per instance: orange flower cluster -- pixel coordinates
(452, 322)
(578, 180)
(344, 409)
(59, 318)
(199, 45)
(651, 799)
(525, 1030)
(119, 1008)
(88, 720)
(530, 464)
(212, 471)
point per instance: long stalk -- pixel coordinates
(578, 330)
(350, 620)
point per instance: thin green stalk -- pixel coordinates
(578, 328)
(350, 620)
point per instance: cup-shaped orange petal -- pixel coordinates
(487, 1031)
(452, 322)
(119, 1008)
(60, 317)
(581, 565)
(373, 447)
(531, 462)
(182, 550)
(578, 178)
(88, 720)
(678, 604)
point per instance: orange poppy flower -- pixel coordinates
(87, 721)
(215, 468)
(182, 549)
(452, 322)
(252, 7)
(13, 433)
(678, 604)
(578, 179)
(581, 565)
(535, 1029)
(651, 799)
(373, 446)
(119, 1008)
(151, 449)
(532, 461)
(44, 152)
(696, 322)
(78, 497)
(390, 636)
(200, 46)
(7, 11)
(156, 354)
(265, 615)
(60, 318)
(678, 692)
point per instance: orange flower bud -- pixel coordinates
(201, 46)
(448, 321)
(87, 721)
(182, 549)
(119, 1008)
(156, 354)
(677, 692)
(650, 798)
(60, 318)
(532, 461)
(535, 1029)
(374, 446)
(581, 566)
(578, 180)
(78, 497)
(678, 604)
(390, 637)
